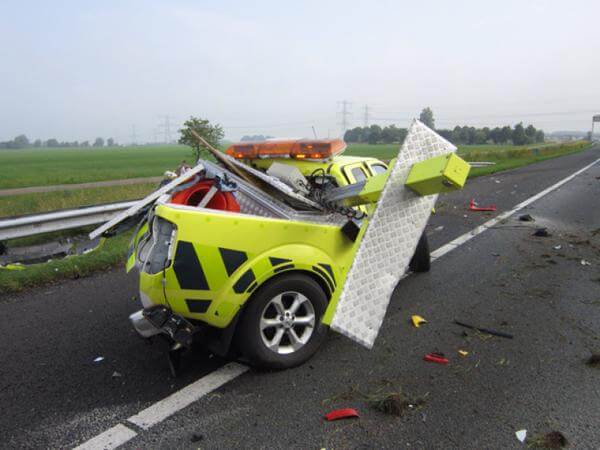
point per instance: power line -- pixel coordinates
(345, 114)
(165, 125)
(133, 135)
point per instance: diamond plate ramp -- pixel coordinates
(389, 242)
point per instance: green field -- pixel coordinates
(42, 167)
(389, 151)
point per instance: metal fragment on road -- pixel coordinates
(389, 241)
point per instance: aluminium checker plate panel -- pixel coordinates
(389, 241)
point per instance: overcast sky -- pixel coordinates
(81, 69)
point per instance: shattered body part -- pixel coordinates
(227, 249)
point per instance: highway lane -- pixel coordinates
(58, 397)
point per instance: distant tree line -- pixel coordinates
(517, 135)
(22, 141)
(375, 134)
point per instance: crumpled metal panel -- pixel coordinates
(257, 202)
(283, 188)
(389, 241)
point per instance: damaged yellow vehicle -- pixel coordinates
(255, 256)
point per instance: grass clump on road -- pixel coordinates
(52, 201)
(551, 440)
(394, 403)
(109, 254)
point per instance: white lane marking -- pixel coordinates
(111, 438)
(439, 252)
(193, 392)
(161, 410)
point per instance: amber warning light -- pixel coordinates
(298, 149)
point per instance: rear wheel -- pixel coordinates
(421, 260)
(281, 326)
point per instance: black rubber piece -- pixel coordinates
(421, 260)
(248, 338)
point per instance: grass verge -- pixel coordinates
(109, 254)
(513, 158)
(53, 201)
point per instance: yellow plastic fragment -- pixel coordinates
(13, 267)
(463, 353)
(417, 321)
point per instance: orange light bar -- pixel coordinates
(299, 149)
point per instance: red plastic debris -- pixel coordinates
(438, 358)
(345, 413)
(473, 207)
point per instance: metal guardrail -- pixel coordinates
(480, 163)
(59, 220)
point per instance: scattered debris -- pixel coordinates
(338, 414)
(435, 357)
(394, 403)
(585, 262)
(474, 207)
(541, 232)
(117, 374)
(417, 321)
(196, 437)
(553, 439)
(521, 435)
(463, 353)
(526, 218)
(99, 359)
(502, 362)
(557, 247)
(594, 360)
(485, 330)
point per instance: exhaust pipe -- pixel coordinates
(159, 319)
(142, 325)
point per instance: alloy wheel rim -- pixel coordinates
(287, 322)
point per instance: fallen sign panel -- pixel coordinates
(389, 241)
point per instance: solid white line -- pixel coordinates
(111, 438)
(490, 223)
(161, 410)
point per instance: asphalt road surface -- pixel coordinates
(53, 394)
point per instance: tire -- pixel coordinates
(268, 318)
(421, 260)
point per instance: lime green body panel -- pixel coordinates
(304, 245)
(443, 173)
